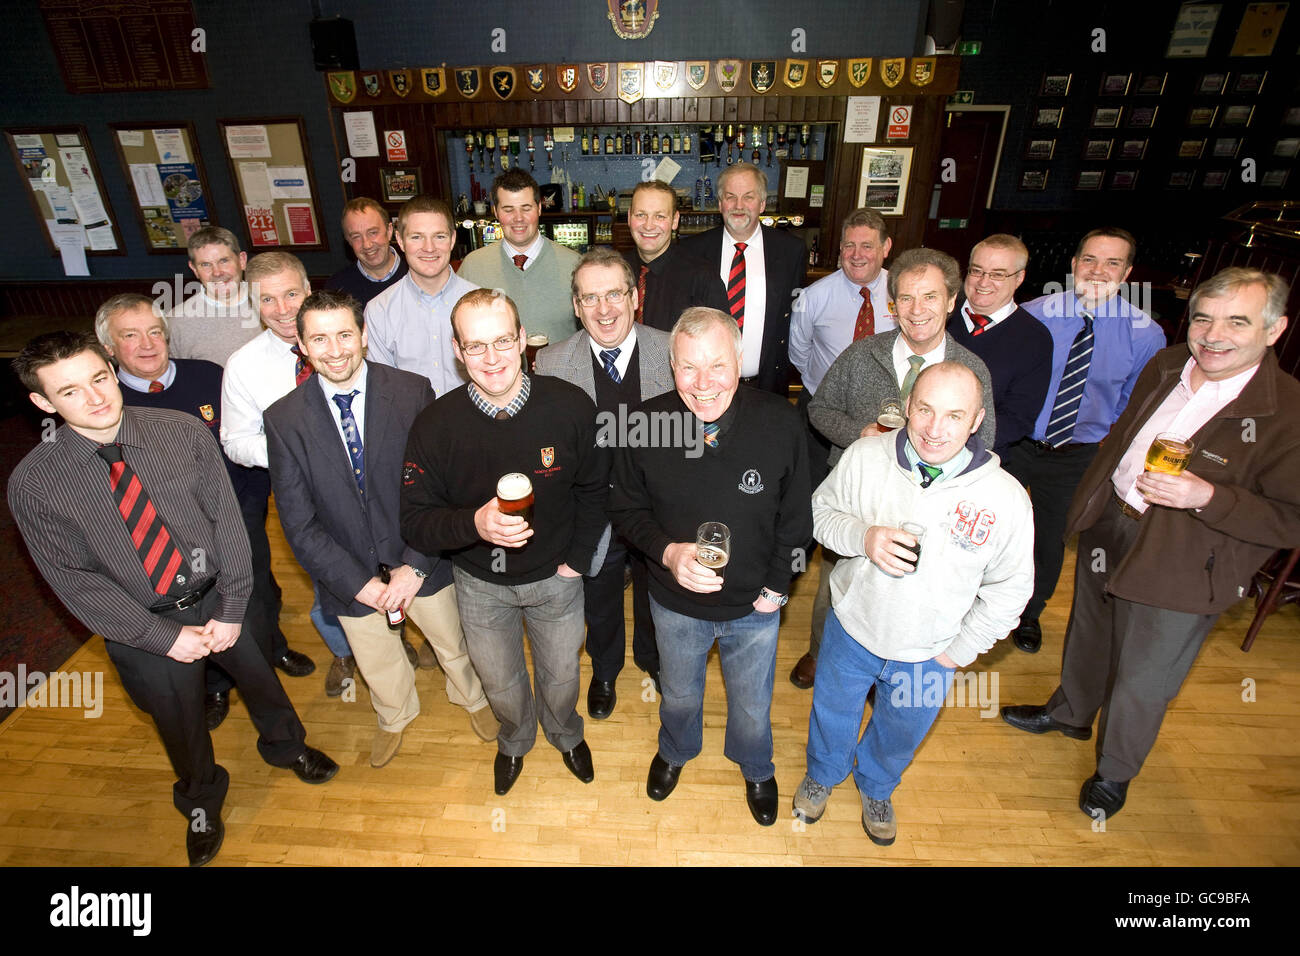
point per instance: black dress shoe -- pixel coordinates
(506, 770)
(805, 672)
(202, 845)
(1028, 636)
(662, 779)
(1101, 798)
(295, 664)
(601, 699)
(215, 708)
(762, 799)
(578, 760)
(312, 766)
(1035, 720)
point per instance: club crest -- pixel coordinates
(467, 81)
(922, 70)
(548, 457)
(502, 79)
(762, 73)
(859, 72)
(697, 73)
(827, 71)
(728, 74)
(796, 72)
(631, 81)
(343, 85)
(891, 71)
(435, 80)
(536, 76)
(400, 81)
(566, 76)
(371, 84)
(598, 76)
(633, 19)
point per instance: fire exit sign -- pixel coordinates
(969, 47)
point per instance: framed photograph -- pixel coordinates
(1292, 116)
(1214, 179)
(1123, 179)
(1040, 149)
(1151, 84)
(1089, 179)
(1034, 180)
(1115, 84)
(1142, 117)
(886, 172)
(1179, 179)
(1287, 148)
(1211, 84)
(1202, 115)
(1048, 117)
(1096, 149)
(399, 184)
(1191, 148)
(1106, 117)
(1225, 147)
(1132, 148)
(1275, 178)
(1237, 115)
(1249, 82)
(1055, 84)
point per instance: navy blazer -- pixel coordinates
(785, 259)
(337, 535)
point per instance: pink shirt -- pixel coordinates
(1183, 413)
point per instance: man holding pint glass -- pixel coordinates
(741, 462)
(1179, 548)
(504, 474)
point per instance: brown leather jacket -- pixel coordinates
(1201, 562)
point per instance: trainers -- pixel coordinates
(810, 800)
(878, 820)
(341, 669)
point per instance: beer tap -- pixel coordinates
(718, 140)
(479, 144)
(731, 139)
(740, 142)
(491, 138)
(549, 145)
(771, 141)
(532, 149)
(781, 142)
(804, 137)
(514, 145)
(469, 149)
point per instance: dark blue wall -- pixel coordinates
(260, 63)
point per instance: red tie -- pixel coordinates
(640, 294)
(981, 323)
(155, 386)
(736, 286)
(520, 260)
(162, 560)
(302, 368)
(866, 324)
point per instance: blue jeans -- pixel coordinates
(908, 700)
(493, 617)
(331, 631)
(747, 647)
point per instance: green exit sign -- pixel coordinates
(970, 47)
(961, 97)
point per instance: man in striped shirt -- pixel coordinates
(130, 517)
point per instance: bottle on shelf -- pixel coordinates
(666, 142)
(677, 139)
(686, 141)
(586, 142)
(653, 138)
(609, 143)
(618, 143)
(627, 141)
(582, 196)
(636, 143)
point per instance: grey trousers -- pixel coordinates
(1125, 659)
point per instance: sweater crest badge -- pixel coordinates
(751, 482)
(548, 457)
(208, 412)
(972, 525)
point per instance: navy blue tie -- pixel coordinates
(609, 357)
(356, 451)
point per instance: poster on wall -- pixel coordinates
(884, 178)
(170, 185)
(1193, 28)
(270, 166)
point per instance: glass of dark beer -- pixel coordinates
(891, 415)
(532, 345)
(515, 496)
(713, 546)
(917, 531)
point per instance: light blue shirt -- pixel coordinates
(142, 384)
(1124, 339)
(358, 404)
(822, 321)
(409, 329)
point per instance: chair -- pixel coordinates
(1272, 587)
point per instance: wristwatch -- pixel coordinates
(778, 599)
(418, 573)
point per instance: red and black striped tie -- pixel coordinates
(162, 560)
(302, 367)
(736, 286)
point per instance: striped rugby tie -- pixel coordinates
(162, 560)
(736, 285)
(1069, 394)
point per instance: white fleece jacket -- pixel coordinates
(976, 571)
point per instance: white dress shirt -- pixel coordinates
(532, 252)
(902, 352)
(755, 296)
(993, 317)
(358, 405)
(258, 375)
(624, 355)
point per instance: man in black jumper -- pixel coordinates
(509, 571)
(618, 365)
(734, 455)
(136, 337)
(369, 231)
(1015, 346)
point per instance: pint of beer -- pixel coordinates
(891, 415)
(532, 345)
(713, 546)
(515, 496)
(1169, 454)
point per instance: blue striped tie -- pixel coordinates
(1069, 394)
(356, 451)
(609, 357)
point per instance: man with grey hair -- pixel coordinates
(748, 473)
(136, 337)
(761, 268)
(1182, 526)
(221, 317)
(882, 368)
(619, 365)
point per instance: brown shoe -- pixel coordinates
(805, 672)
(485, 723)
(385, 747)
(340, 670)
(425, 657)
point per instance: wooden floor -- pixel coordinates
(1222, 786)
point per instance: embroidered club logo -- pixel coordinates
(548, 457)
(751, 482)
(208, 412)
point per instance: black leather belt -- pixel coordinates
(185, 601)
(1126, 509)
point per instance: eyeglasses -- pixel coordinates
(613, 297)
(503, 344)
(975, 272)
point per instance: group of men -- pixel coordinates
(385, 410)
